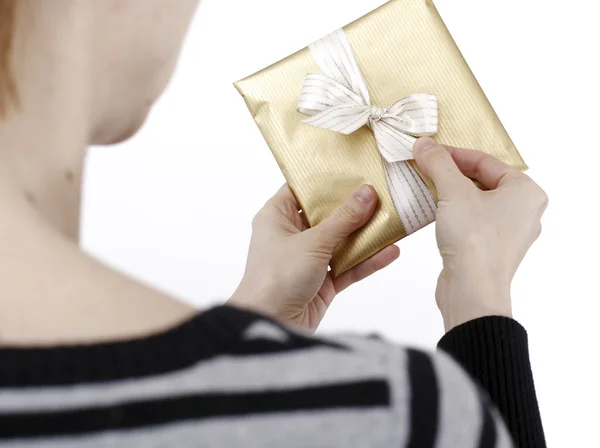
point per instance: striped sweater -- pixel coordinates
(229, 378)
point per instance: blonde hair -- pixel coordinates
(8, 88)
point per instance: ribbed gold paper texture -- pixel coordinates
(403, 47)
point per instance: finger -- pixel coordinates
(436, 162)
(366, 268)
(285, 196)
(282, 204)
(352, 215)
(488, 170)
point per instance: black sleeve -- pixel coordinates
(494, 350)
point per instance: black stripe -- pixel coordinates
(212, 333)
(363, 394)
(488, 429)
(262, 346)
(424, 401)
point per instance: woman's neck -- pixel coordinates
(44, 133)
(42, 172)
(50, 292)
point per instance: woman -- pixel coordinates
(91, 358)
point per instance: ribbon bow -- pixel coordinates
(339, 100)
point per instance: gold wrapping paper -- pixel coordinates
(403, 47)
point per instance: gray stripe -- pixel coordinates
(266, 330)
(337, 428)
(460, 418)
(280, 371)
(503, 438)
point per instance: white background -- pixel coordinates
(173, 206)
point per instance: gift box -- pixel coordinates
(345, 111)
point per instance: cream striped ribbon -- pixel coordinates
(338, 100)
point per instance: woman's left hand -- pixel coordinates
(287, 274)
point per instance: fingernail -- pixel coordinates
(423, 144)
(364, 194)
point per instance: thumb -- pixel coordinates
(436, 163)
(350, 216)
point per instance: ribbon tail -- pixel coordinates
(413, 201)
(334, 56)
(394, 146)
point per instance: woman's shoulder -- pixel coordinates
(226, 375)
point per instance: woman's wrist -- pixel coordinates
(471, 295)
(251, 298)
(454, 317)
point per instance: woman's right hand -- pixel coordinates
(482, 235)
